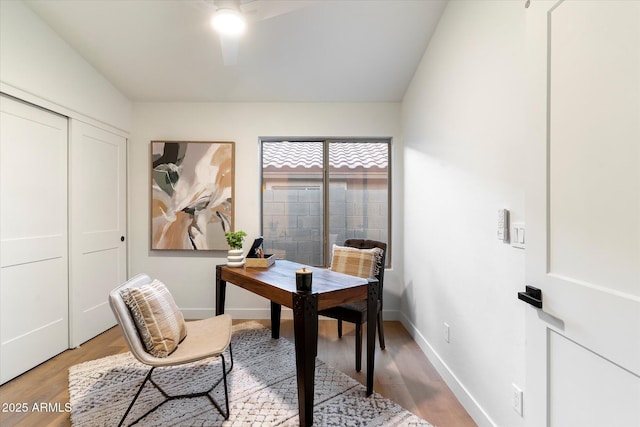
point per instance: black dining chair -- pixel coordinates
(357, 312)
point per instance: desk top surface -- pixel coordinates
(282, 275)
(332, 287)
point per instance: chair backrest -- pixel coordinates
(370, 244)
(125, 320)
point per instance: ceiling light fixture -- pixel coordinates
(228, 22)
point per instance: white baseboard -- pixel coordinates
(459, 390)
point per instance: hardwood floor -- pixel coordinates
(403, 374)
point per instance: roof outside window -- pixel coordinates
(308, 155)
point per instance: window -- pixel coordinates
(319, 192)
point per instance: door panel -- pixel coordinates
(593, 157)
(34, 315)
(98, 215)
(589, 378)
(33, 237)
(23, 250)
(583, 214)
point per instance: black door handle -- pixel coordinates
(531, 296)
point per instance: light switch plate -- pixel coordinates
(518, 235)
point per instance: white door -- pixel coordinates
(98, 225)
(33, 237)
(583, 214)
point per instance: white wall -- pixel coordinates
(38, 66)
(463, 121)
(191, 276)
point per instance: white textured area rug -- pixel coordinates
(262, 390)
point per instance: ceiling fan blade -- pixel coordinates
(226, 4)
(258, 10)
(230, 46)
(253, 10)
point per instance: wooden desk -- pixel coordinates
(278, 284)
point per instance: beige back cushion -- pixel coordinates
(356, 262)
(157, 317)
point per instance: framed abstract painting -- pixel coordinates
(191, 194)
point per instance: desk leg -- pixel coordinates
(305, 328)
(372, 314)
(275, 320)
(221, 290)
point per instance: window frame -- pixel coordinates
(326, 246)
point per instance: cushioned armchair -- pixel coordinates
(357, 312)
(158, 336)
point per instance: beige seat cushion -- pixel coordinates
(356, 262)
(157, 317)
(205, 338)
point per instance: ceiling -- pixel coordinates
(310, 51)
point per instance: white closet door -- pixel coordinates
(98, 226)
(33, 237)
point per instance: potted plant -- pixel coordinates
(235, 239)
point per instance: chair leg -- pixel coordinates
(136, 396)
(339, 328)
(201, 394)
(231, 355)
(227, 372)
(226, 392)
(358, 347)
(380, 330)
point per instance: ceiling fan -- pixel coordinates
(230, 18)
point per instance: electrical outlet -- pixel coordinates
(446, 332)
(517, 399)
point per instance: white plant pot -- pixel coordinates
(235, 258)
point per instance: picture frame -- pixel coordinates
(192, 194)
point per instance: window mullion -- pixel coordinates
(325, 203)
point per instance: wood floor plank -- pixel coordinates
(403, 374)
